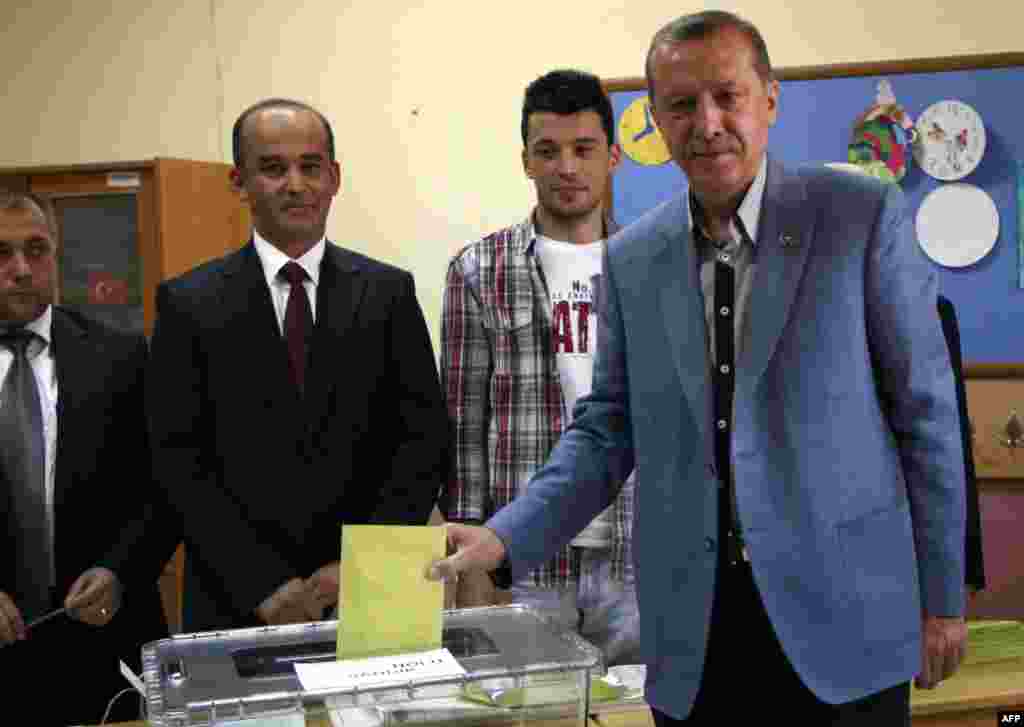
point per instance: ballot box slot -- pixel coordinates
(269, 661)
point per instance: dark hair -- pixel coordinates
(29, 201)
(568, 92)
(275, 103)
(696, 26)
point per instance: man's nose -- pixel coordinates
(293, 180)
(568, 164)
(707, 121)
(19, 266)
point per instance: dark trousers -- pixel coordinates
(748, 679)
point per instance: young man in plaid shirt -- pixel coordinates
(519, 332)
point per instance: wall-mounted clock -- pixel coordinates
(639, 136)
(950, 140)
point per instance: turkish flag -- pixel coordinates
(104, 288)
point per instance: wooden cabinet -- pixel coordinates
(126, 226)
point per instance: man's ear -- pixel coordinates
(526, 163)
(336, 174)
(237, 183)
(614, 157)
(773, 91)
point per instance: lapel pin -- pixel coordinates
(787, 240)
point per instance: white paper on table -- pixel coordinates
(630, 676)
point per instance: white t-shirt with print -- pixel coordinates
(573, 275)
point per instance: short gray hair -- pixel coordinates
(696, 26)
(29, 201)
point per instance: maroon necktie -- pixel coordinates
(298, 321)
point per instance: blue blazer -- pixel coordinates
(846, 444)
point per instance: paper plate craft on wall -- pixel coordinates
(950, 140)
(640, 137)
(881, 137)
(957, 224)
(848, 167)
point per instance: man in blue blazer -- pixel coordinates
(771, 362)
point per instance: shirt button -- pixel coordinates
(722, 424)
(712, 471)
(724, 310)
(709, 545)
(724, 257)
(724, 368)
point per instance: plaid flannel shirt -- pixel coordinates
(501, 381)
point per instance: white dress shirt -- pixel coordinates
(40, 356)
(273, 260)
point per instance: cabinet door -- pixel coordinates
(108, 265)
(100, 262)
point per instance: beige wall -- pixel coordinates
(424, 96)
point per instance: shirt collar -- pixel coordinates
(41, 326)
(272, 259)
(533, 230)
(749, 210)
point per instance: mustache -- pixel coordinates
(707, 150)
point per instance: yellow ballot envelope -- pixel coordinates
(385, 603)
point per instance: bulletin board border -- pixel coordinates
(994, 371)
(868, 68)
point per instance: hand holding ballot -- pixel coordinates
(477, 548)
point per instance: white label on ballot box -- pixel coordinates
(379, 670)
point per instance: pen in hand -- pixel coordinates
(44, 618)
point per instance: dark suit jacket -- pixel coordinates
(105, 514)
(263, 478)
(974, 564)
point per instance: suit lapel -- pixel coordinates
(75, 361)
(339, 291)
(251, 323)
(784, 239)
(677, 281)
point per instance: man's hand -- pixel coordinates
(95, 597)
(943, 646)
(477, 550)
(291, 603)
(324, 585)
(12, 625)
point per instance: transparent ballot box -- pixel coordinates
(519, 668)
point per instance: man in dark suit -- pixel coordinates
(293, 388)
(76, 489)
(974, 560)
